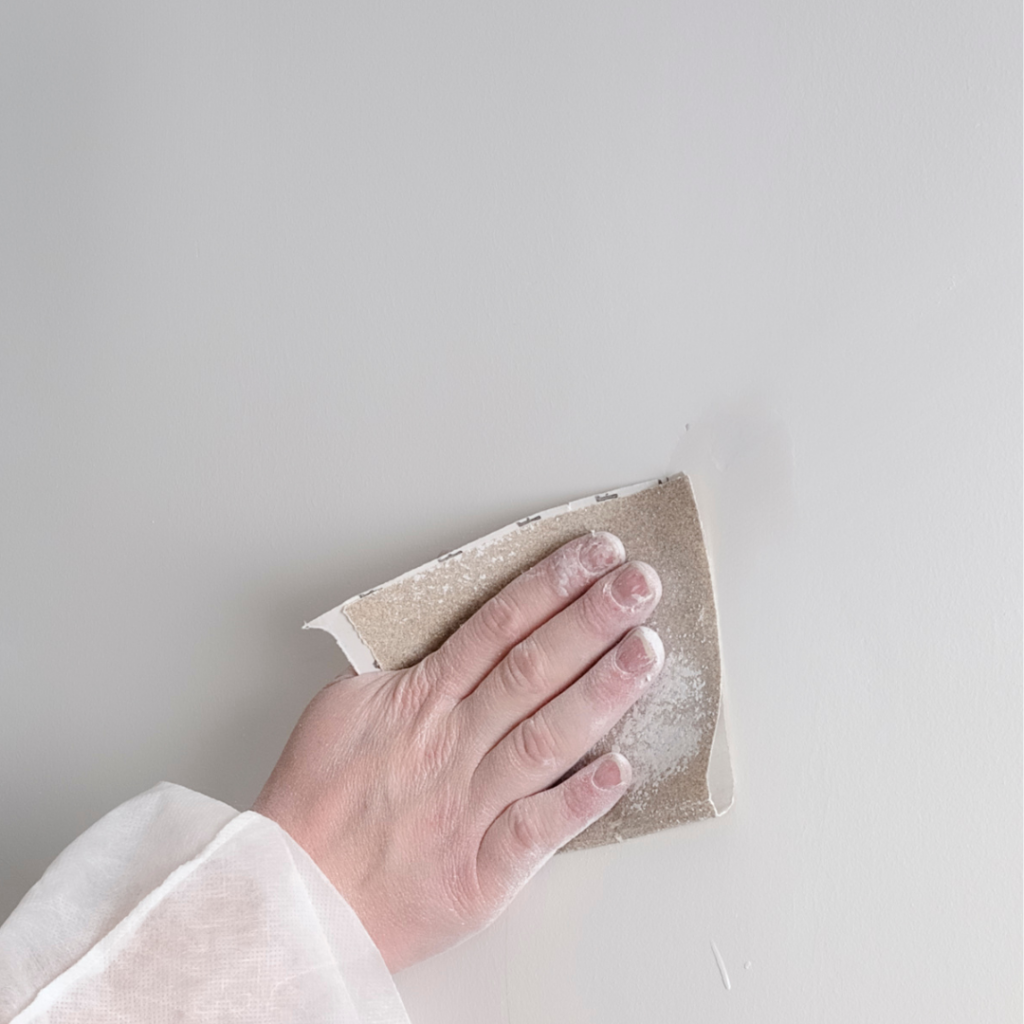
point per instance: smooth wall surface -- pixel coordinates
(294, 297)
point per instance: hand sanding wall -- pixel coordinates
(295, 297)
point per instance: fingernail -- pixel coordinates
(640, 651)
(600, 552)
(611, 772)
(633, 587)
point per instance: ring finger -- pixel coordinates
(545, 745)
(559, 652)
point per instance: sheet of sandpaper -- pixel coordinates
(674, 737)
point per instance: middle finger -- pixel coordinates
(559, 652)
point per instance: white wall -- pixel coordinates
(293, 297)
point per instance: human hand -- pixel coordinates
(426, 794)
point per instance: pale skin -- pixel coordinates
(427, 795)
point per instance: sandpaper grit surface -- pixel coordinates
(667, 735)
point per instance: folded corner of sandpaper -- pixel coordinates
(674, 736)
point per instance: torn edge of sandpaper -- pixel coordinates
(674, 737)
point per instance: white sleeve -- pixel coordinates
(176, 907)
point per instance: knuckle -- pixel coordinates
(524, 831)
(436, 668)
(525, 667)
(416, 697)
(499, 620)
(412, 689)
(534, 745)
(441, 672)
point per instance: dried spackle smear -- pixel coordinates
(674, 737)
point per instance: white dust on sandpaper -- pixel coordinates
(663, 731)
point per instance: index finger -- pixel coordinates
(459, 664)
